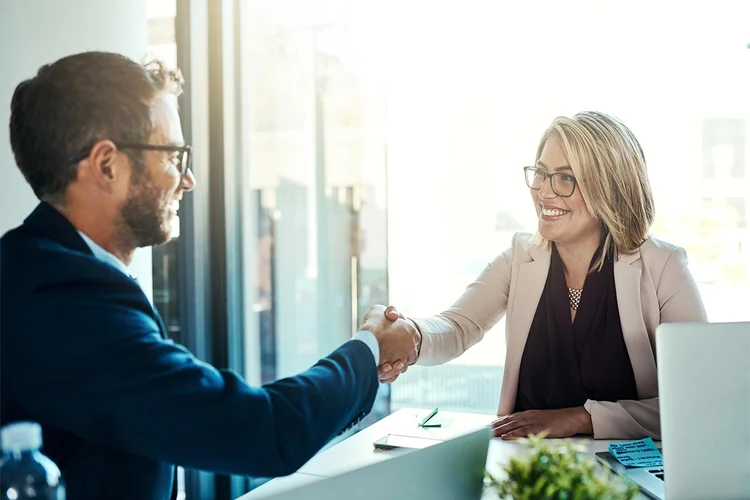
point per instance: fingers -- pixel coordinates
(389, 372)
(398, 338)
(498, 422)
(390, 368)
(389, 377)
(392, 313)
(521, 432)
(375, 310)
(514, 426)
(509, 424)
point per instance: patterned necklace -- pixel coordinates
(575, 297)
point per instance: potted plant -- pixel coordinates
(560, 471)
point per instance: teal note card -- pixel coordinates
(641, 453)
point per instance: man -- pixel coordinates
(98, 138)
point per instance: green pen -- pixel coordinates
(424, 421)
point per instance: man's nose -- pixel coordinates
(188, 181)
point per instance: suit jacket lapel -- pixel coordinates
(627, 272)
(532, 275)
(48, 222)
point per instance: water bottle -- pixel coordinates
(25, 473)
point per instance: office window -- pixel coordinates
(162, 45)
(313, 169)
(472, 88)
(469, 90)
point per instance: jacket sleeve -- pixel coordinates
(449, 334)
(679, 301)
(105, 374)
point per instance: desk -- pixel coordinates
(357, 451)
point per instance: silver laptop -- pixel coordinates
(704, 400)
(450, 470)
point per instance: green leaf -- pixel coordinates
(559, 471)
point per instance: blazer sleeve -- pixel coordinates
(679, 302)
(449, 334)
(98, 368)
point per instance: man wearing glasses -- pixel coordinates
(98, 139)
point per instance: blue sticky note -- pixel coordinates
(641, 453)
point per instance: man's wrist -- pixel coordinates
(371, 341)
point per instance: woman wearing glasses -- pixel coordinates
(583, 296)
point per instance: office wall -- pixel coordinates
(35, 32)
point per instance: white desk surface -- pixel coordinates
(357, 451)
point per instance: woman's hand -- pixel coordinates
(387, 372)
(561, 423)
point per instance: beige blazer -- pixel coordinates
(653, 286)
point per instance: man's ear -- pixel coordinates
(103, 166)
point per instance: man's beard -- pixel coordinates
(142, 214)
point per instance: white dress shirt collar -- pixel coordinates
(104, 255)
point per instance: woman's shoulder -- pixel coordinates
(659, 253)
(524, 248)
(655, 246)
(522, 241)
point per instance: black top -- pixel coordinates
(564, 364)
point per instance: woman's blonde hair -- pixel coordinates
(609, 165)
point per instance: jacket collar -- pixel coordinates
(629, 258)
(537, 254)
(532, 275)
(46, 221)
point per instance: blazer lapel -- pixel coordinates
(532, 275)
(627, 272)
(47, 221)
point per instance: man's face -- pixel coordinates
(154, 194)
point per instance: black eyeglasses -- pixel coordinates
(563, 185)
(180, 157)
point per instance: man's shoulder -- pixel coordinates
(49, 287)
(29, 262)
(23, 242)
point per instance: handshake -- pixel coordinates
(398, 337)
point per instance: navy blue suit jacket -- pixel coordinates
(86, 356)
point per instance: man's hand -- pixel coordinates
(562, 423)
(388, 372)
(398, 338)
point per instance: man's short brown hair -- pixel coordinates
(75, 102)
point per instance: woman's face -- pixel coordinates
(563, 220)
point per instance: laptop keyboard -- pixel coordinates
(658, 473)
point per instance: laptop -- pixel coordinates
(704, 400)
(448, 470)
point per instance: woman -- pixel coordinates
(583, 296)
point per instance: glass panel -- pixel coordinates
(314, 165)
(469, 98)
(162, 45)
